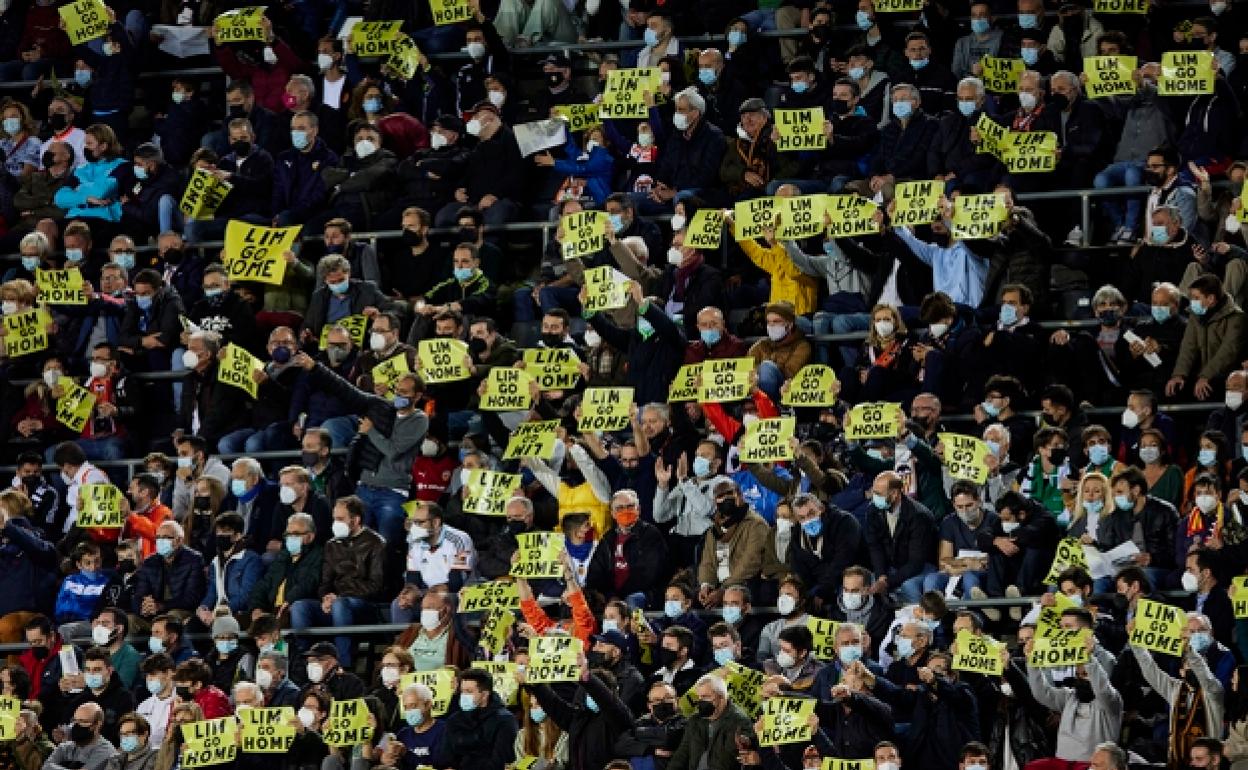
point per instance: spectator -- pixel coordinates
(482, 731)
(86, 749)
(170, 580)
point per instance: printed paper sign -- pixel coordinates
(267, 730)
(978, 216)
(243, 25)
(813, 386)
(442, 360)
(1109, 75)
(85, 20)
(705, 230)
(204, 194)
(800, 130)
(851, 215)
(541, 555)
(99, 506)
(786, 720)
(450, 11)
(917, 203)
(872, 420)
(767, 440)
(60, 287)
(978, 654)
(237, 367)
(1158, 627)
(964, 457)
(1184, 73)
(487, 492)
(553, 659)
(209, 742)
(726, 379)
(584, 233)
(506, 390)
(532, 439)
(257, 253)
(605, 409)
(347, 724)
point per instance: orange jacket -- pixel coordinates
(144, 526)
(583, 625)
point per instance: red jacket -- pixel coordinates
(43, 26)
(213, 703)
(431, 476)
(731, 428)
(269, 82)
(582, 618)
(35, 667)
(144, 526)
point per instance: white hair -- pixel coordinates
(36, 239)
(249, 465)
(421, 692)
(694, 99)
(177, 528)
(637, 245)
(251, 687)
(1000, 430)
(717, 684)
(975, 83)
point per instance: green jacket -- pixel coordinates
(292, 295)
(721, 745)
(126, 663)
(303, 579)
(1211, 348)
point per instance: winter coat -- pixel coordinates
(483, 738)
(820, 561)
(242, 572)
(591, 734)
(299, 191)
(751, 552)
(653, 362)
(1212, 344)
(360, 294)
(903, 149)
(720, 746)
(302, 579)
(80, 596)
(354, 565)
(645, 551)
(29, 568)
(367, 183)
(95, 180)
(182, 578)
(901, 555)
(691, 162)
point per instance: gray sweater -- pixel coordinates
(398, 450)
(1168, 687)
(1083, 725)
(93, 756)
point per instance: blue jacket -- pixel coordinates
(184, 578)
(241, 573)
(79, 595)
(95, 180)
(297, 186)
(29, 568)
(597, 169)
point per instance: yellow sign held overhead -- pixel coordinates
(553, 368)
(605, 409)
(553, 659)
(267, 730)
(1239, 597)
(1109, 75)
(851, 215)
(391, 369)
(372, 39)
(978, 654)
(440, 681)
(1029, 152)
(541, 555)
(813, 386)
(236, 369)
(1069, 554)
(257, 253)
(800, 130)
(442, 360)
(495, 629)
(964, 457)
(800, 217)
(450, 11)
(725, 379)
(532, 439)
(584, 233)
(872, 420)
(506, 390)
(85, 20)
(705, 229)
(204, 194)
(1186, 73)
(241, 25)
(752, 217)
(406, 59)
(767, 440)
(487, 492)
(917, 203)
(684, 385)
(1061, 649)
(1158, 627)
(979, 216)
(991, 135)
(496, 594)
(60, 287)
(99, 506)
(355, 326)
(624, 94)
(605, 289)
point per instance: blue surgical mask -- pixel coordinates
(967, 108)
(372, 105)
(238, 487)
(30, 264)
(876, 455)
(1159, 234)
(1123, 502)
(125, 259)
(651, 37)
(980, 26)
(905, 647)
(1008, 315)
(723, 656)
(155, 643)
(707, 75)
(82, 77)
(610, 625)
(1207, 457)
(1161, 313)
(1098, 453)
(731, 614)
(1093, 506)
(1150, 454)
(294, 544)
(617, 222)
(213, 292)
(799, 86)
(856, 73)
(1030, 55)
(919, 64)
(144, 301)
(879, 501)
(12, 126)
(1200, 641)
(401, 402)
(463, 274)
(864, 20)
(153, 684)
(736, 37)
(1028, 20)
(1197, 309)
(902, 110)
(129, 743)
(993, 446)
(672, 609)
(73, 255)
(990, 409)
(226, 646)
(140, 173)
(299, 139)
(94, 681)
(340, 287)
(413, 717)
(849, 654)
(813, 527)
(701, 467)
(164, 546)
(710, 337)
(466, 702)
(591, 704)
(537, 714)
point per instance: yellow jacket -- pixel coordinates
(788, 284)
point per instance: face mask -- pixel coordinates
(30, 264)
(413, 716)
(299, 139)
(651, 37)
(1217, 8)
(813, 527)
(592, 338)
(269, 55)
(967, 108)
(238, 487)
(94, 681)
(678, 222)
(1207, 457)
(156, 645)
(476, 50)
(341, 529)
(226, 646)
(307, 717)
(723, 656)
(372, 106)
(905, 647)
(51, 376)
(1009, 526)
(474, 127)
(1098, 453)
(1123, 502)
(918, 64)
(294, 544)
(990, 409)
(129, 743)
(742, 134)
(731, 615)
(101, 635)
(1197, 308)
(430, 618)
(884, 328)
(980, 26)
(1234, 399)
(1190, 582)
(82, 77)
(464, 274)
(81, 734)
(777, 332)
(736, 38)
(466, 702)
(1030, 56)
(437, 141)
(864, 20)
(316, 672)
(673, 609)
(12, 126)
(1093, 506)
(1159, 234)
(287, 495)
(902, 110)
(786, 604)
(364, 148)
(164, 546)
(707, 75)
(710, 337)
(1130, 419)
(324, 61)
(1200, 641)
(645, 139)
(1150, 454)
(680, 121)
(1028, 20)
(701, 467)
(937, 330)
(850, 653)
(497, 98)
(537, 714)
(785, 660)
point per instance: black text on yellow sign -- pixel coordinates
(605, 289)
(487, 492)
(209, 742)
(10, 707)
(1069, 554)
(532, 440)
(496, 594)
(605, 409)
(767, 440)
(1001, 75)
(450, 11)
(917, 203)
(347, 724)
(1184, 73)
(204, 194)
(1030, 152)
(75, 405)
(726, 379)
(540, 555)
(256, 253)
(60, 287)
(84, 20)
(1239, 597)
(684, 385)
(553, 659)
(1158, 627)
(237, 368)
(850, 215)
(978, 216)
(584, 233)
(25, 333)
(553, 368)
(800, 130)
(1120, 6)
(580, 117)
(1109, 76)
(624, 95)
(442, 360)
(786, 720)
(978, 654)
(870, 420)
(267, 730)
(964, 457)
(506, 390)
(751, 218)
(372, 39)
(813, 386)
(242, 25)
(823, 637)
(99, 506)
(898, 6)
(1059, 650)
(833, 763)
(705, 229)
(800, 217)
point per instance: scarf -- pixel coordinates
(1187, 721)
(683, 274)
(1196, 524)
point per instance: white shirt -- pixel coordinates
(156, 711)
(331, 92)
(75, 138)
(433, 560)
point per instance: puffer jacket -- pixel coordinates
(368, 182)
(354, 565)
(484, 738)
(37, 195)
(184, 578)
(95, 180)
(1213, 344)
(790, 354)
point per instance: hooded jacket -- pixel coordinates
(94, 180)
(1212, 344)
(483, 738)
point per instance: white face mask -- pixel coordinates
(264, 680)
(341, 529)
(430, 618)
(1206, 503)
(785, 660)
(437, 141)
(680, 121)
(270, 56)
(429, 447)
(324, 61)
(476, 50)
(364, 148)
(474, 127)
(8, 307)
(938, 330)
(674, 257)
(307, 717)
(316, 672)
(1234, 399)
(99, 370)
(1130, 419)
(51, 377)
(786, 604)
(101, 635)
(497, 98)
(1027, 100)
(389, 676)
(884, 328)
(776, 332)
(1190, 582)
(377, 341)
(287, 495)
(190, 359)
(743, 134)
(678, 222)
(592, 339)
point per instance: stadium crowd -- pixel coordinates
(696, 585)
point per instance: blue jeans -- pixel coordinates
(761, 20)
(936, 581)
(168, 214)
(911, 590)
(770, 378)
(270, 438)
(345, 611)
(1125, 173)
(844, 324)
(235, 443)
(383, 511)
(341, 429)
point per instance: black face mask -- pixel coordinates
(49, 160)
(840, 107)
(1057, 456)
(517, 527)
(31, 483)
(173, 256)
(125, 566)
(413, 239)
(663, 711)
(820, 34)
(667, 657)
(1059, 101)
(184, 695)
(1082, 688)
(225, 543)
(1108, 317)
(237, 111)
(90, 155)
(599, 660)
(40, 653)
(309, 458)
(730, 511)
(477, 346)
(57, 122)
(203, 503)
(241, 148)
(81, 734)
(1152, 178)
(467, 235)
(552, 340)
(705, 708)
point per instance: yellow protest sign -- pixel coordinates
(1158, 627)
(532, 439)
(75, 405)
(450, 11)
(442, 360)
(10, 707)
(767, 440)
(1069, 554)
(391, 369)
(605, 289)
(705, 229)
(60, 287)
(964, 457)
(800, 130)
(624, 94)
(1062, 649)
(503, 672)
(242, 25)
(553, 368)
(823, 633)
(750, 218)
(405, 58)
(800, 217)
(786, 720)
(203, 195)
(991, 134)
(440, 681)
(506, 390)
(743, 687)
(487, 492)
(495, 629)
(978, 216)
(980, 654)
(1186, 73)
(850, 215)
(257, 253)
(898, 6)
(584, 233)
(25, 333)
(725, 379)
(917, 203)
(355, 326)
(580, 117)
(84, 20)
(527, 762)
(236, 369)
(869, 420)
(1120, 6)
(1001, 75)
(372, 39)
(496, 594)
(347, 724)
(814, 385)
(209, 742)
(1029, 152)
(553, 659)
(1109, 75)
(684, 385)
(99, 506)
(541, 555)
(835, 763)
(605, 409)
(1049, 621)
(1239, 596)
(267, 730)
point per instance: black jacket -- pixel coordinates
(653, 362)
(483, 738)
(903, 151)
(945, 719)
(591, 735)
(645, 550)
(252, 180)
(302, 579)
(223, 408)
(496, 168)
(854, 137)
(162, 320)
(115, 700)
(176, 585)
(143, 206)
(1158, 520)
(902, 555)
(360, 294)
(433, 175)
(1218, 609)
(230, 316)
(705, 289)
(951, 149)
(855, 725)
(692, 162)
(839, 541)
(937, 86)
